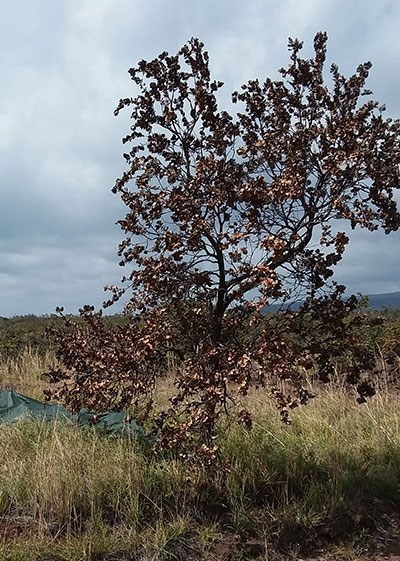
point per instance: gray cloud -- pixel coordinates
(371, 263)
(64, 67)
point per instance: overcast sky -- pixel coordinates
(64, 66)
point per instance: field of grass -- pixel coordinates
(329, 480)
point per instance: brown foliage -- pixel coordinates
(226, 214)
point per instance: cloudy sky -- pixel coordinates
(63, 69)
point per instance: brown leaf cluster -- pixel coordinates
(228, 212)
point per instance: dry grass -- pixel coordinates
(24, 374)
(68, 493)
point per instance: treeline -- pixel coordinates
(19, 332)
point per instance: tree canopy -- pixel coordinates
(227, 212)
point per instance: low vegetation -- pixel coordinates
(19, 333)
(332, 477)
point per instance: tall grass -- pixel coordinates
(71, 493)
(25, 372)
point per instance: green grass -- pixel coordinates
(73, 494)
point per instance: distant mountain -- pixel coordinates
(387, 300)
(377, 302)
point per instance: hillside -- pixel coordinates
(389, 300)
(386, 300)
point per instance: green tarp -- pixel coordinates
(15, 406)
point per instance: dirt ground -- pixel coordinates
(227, 550)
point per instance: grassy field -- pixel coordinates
(329, 482)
